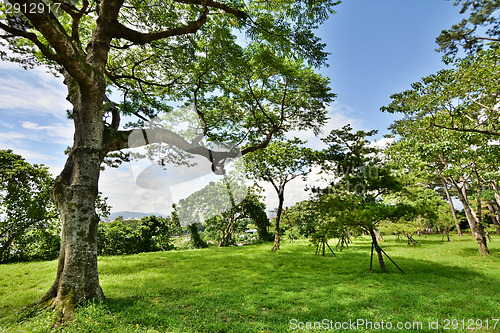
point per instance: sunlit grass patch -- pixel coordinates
(252, 289)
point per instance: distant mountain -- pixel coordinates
(131, 215)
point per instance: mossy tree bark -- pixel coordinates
(75, 193)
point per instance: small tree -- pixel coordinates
(153, 233)
(302, 218)
(431, 210)
(223, 207)
(279, 163)
(25, 204)
(361, 179)
(217, 205)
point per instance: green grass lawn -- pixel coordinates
(251, 289)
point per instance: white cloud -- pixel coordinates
(54, 163)
(7, 125)
(382, 143)
(10, 138)
(34, 143)
(7, 65)
(33, 155)
(295, 190)
(339, 116)
(33, 91)
(61, 133)
(126, 191)
(120, 186)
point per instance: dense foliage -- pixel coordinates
(279, 163)
(158, 55)
(449, 130)
(149, 234)
(225, 208)
(29, 227)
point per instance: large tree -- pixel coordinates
(464, 98)
(150, 52)
(457, 158)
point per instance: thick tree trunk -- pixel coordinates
(476, 228)
(75, 191)
(378, 250)
(281, 197)
(452, 207)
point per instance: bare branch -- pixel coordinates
(475, 39)
(76, 15)
(139, 80)
(119, 140)
(258, 102)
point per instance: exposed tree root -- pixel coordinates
(63, 303)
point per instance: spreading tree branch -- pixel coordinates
(32, 37)
(118, 30)
(76, 15)
(469, 130)
(210, 3)
(68, 54)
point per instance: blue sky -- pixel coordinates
(377, 48)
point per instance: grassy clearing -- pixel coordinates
(251, 289)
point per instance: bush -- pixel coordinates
(35, 244)
(149, 235)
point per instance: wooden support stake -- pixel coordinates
(331, 249)
(392, 261)
(371, 259)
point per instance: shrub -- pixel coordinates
(150, 234)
